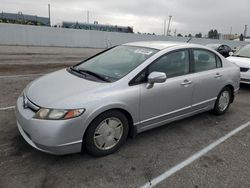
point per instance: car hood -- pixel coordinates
(240, 61)
(62, 90)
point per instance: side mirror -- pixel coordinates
(231, 53)
(156, 77)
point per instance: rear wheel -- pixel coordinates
(106, 133)
(223, 101)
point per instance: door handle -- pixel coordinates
(218, 75)
(186, 82)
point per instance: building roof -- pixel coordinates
(92, 24)
(20, 16)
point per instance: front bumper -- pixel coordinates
(50, 136)
(245, 77)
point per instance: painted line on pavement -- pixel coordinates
(7, 108)
(20, 75)
(192, 158)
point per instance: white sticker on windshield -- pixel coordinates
(143, 51)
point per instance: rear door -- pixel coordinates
(208, 75)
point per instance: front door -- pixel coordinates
(169, 99)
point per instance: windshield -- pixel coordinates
(243, 52)
(117, 62)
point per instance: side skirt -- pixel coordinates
(140, 128)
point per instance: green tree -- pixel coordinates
(198, 35)
(216, 34)
(179, 35)
(213, 34)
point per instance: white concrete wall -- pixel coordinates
(12, 34)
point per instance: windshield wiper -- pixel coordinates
(73, 68)
(103, 78)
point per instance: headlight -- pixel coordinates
(53, 114)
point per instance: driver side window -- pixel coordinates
(173, 64)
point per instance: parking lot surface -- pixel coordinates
(140, 160)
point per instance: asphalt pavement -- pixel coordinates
(140, 160)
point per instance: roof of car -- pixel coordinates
(160, 45)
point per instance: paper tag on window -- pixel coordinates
(143, 51)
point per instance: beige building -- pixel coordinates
(230, 37)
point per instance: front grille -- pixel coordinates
(245, 80)
(27, 134)
(242, 69)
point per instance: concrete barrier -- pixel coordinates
(13, 34)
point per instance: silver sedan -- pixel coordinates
(121, 92)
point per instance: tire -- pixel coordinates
(108, 127)
(223, 101)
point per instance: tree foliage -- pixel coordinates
(198, 35)
(213, 34)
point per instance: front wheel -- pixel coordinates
(223, 101)
(106, 133)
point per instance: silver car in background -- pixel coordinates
(123, 91)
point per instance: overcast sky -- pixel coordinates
(189, 16)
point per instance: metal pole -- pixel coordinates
(49, 15)
(165, 20)
(230, 36)
(87, 16)
(168, 31)
(245, 32)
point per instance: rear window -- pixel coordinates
(204, 60)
